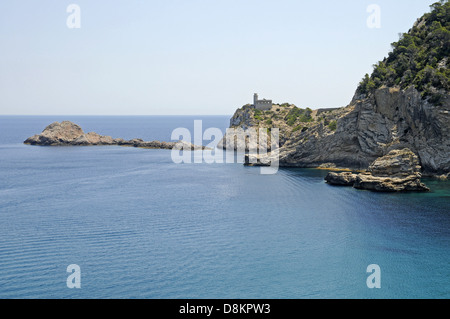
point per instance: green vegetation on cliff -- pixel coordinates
(333, 125)
(418, 58)
(303, 115)
(292, 121)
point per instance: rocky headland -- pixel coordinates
(67, 133)
(404, 104)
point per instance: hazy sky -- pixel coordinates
(140, 57)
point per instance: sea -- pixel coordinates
(138, 225)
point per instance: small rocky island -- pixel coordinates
(67, 133)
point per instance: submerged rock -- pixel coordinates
(67, 133)
(397, 171)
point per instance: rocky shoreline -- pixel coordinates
(403, 104)
(398, 171)
(67, 133)
(368, 128)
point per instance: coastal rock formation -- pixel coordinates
(341, 179)
(397, 171)
(390, 184)
(67, 133)
(390, 119)
(396, 163)
(405, 103)
(370, 127)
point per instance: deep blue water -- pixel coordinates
(140, 226)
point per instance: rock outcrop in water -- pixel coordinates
(67, 133)
(397, 171)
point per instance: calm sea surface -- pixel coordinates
(140, 226)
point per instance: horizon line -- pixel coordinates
(115, 114)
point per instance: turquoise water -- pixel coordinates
(140, 226)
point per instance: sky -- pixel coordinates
(190, 57)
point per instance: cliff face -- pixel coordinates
(370, 127)
(405, 103)
(389, 119)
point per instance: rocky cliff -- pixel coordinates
(405, 103)
(389, 119)
(369, 127)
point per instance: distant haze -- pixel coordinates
(136, 57)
